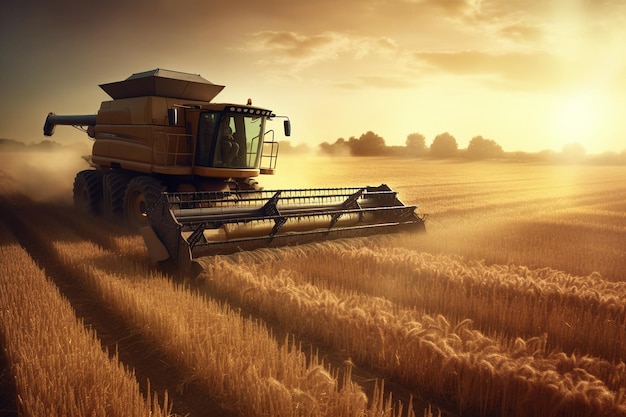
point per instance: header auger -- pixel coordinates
(182, 170)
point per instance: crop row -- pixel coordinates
(567, 217)
(440, 360)
(237, 361)
(582, 314)
(59, 366)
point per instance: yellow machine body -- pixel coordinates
(181, 169)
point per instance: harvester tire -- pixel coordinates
(141, 193)
(114, 187)
(88, 191)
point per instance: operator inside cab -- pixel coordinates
(229, 147)
(227, 140)
(222, 149)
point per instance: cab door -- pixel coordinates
(206, 123)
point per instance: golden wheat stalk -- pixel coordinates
(58, 364)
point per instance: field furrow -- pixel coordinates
(111, 331)
(210, 347)
(593, 308)
(511, 304)
(430, 354)
(58, 364)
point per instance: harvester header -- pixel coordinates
(220, 223)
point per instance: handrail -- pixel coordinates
(272, 156)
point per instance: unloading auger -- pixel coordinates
(184, 226)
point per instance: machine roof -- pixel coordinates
(163, 83)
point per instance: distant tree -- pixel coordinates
(287, 148)
(416, 144)
(340, 147)
(609, 158)
(325, 148)
(369, 144)
(10, 145)
(444, 146)
(46, 145)
(481, 148)
(546, 155)
(573, 152)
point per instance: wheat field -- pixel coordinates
(511, 304)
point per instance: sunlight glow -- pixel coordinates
(577, 118)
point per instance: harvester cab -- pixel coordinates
(182, 170)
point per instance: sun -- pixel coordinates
(577, 118)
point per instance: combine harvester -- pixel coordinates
(182, 170)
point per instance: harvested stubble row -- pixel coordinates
(478, 374)
(58, 366)
(237, 360)
(105, 232)
(532, 215)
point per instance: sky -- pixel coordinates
(529, 74)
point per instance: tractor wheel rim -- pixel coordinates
(137, 210)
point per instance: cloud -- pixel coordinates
(522, 32)
(456, 7)
(533, 71)
(293, 46)
(299, 51)
(375, 81)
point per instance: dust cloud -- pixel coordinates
(45, 176)
(314, 171)
(48, 176)
(292, 171)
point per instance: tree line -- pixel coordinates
(443, 146)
